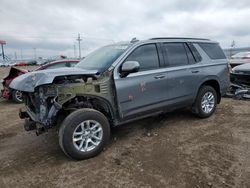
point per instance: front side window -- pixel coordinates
(146, 56)
(176, 54)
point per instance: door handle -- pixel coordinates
(159, 76)
(195, 71)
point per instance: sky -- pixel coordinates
(50, 27)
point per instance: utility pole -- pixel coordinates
(74, 51)
(3, 52)
(34, 53)
(21, 54)
(2, 43)
(79, 44)
(232, 46)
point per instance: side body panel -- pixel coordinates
(140, 93)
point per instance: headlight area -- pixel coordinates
(41, 108)
(48, 107)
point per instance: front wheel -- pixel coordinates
(205, 102)
(84, 134)
(17, 96)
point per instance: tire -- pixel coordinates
(17, 96)
(79, 125)
(205, 93)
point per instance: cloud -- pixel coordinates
(52, 26)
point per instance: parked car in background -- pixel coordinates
(31, 62)
(240, 58)
(22, 63)
(58, 64)
(8, 93)
(14, 72)
(240, 79)
(120, 83)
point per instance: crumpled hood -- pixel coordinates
(27, 82)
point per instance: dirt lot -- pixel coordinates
(172, 150)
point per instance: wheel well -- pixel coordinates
(216, 86)
(98, 104)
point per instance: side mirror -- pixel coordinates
(129, 67)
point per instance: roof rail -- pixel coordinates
(158, 38)
(133, 40)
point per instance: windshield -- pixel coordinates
(102, 58)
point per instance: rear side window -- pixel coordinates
(176, 54)
(213, 50)
(191, 58)
(146, 56)
(195, 53)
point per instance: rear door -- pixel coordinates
(142, 92)
(181, 73)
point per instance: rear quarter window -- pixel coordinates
(213, 50)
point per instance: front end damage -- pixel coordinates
(41, 108)
(240, 82)
(49, 104)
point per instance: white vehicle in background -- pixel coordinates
(240, 58)
(3, 63)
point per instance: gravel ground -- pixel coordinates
(172, 150)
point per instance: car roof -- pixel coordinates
(168, 39)
(64, 60)
(57, 62)
(241, 53)
(181, 39)
(61, 61)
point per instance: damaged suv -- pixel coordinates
(120, 83)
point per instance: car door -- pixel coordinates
(141, 92)
(181, 80)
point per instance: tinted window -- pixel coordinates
(176, 54)
(213, 50)
(146, 55)
(191, 59)
(195, 53)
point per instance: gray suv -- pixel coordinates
(120, 83)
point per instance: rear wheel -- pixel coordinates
(84, 134)
(17, 96)
(206, 102)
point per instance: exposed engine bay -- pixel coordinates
(48, 102)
